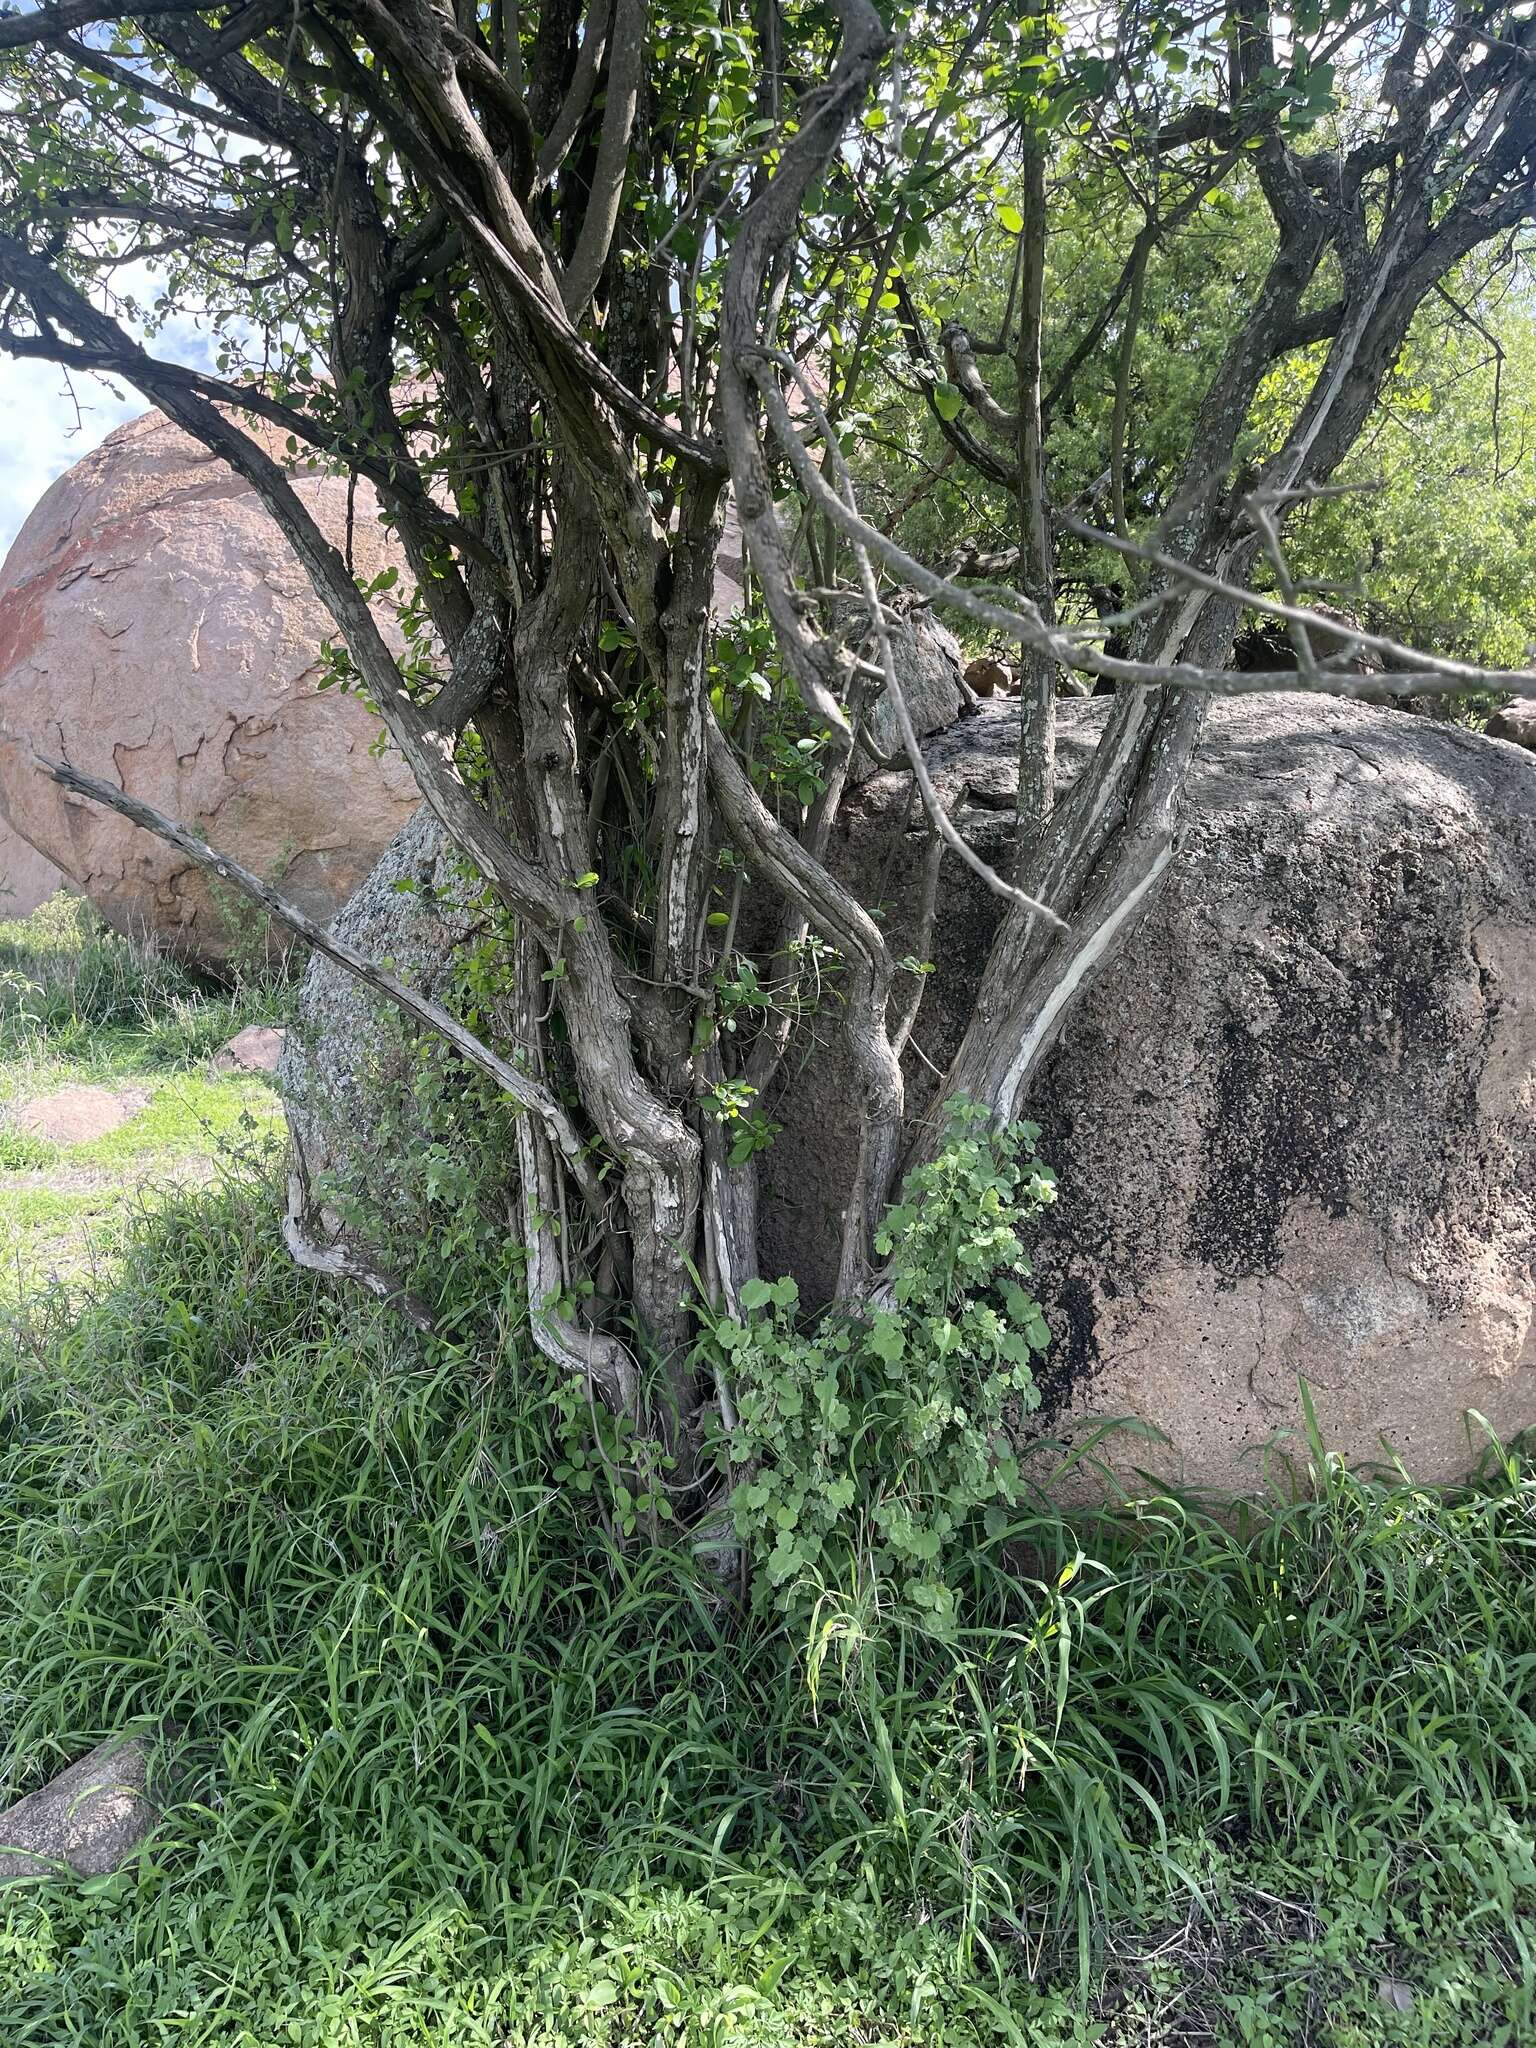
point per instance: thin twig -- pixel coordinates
(758, 365)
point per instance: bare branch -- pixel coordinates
(922, 944)
(978, 454)
(528, 1093)
(397, 482)
(1120, 417)
(764, 231)
(1037, 568)
(940, 820)
(1069, 645)
(960, 360)
(49, 21)
(600, 1359)
(343, 1261)
(1418, 670)
(150, 88)
(579, 96)
(625, 66)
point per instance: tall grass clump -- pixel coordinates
(71, 988)
(453, 1764)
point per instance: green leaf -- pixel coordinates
(1011, 218)
(887, 1339)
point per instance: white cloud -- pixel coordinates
(49, 420)
(42, 433)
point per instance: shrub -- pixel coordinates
(871, 1442)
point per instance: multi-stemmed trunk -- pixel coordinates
(565, 544)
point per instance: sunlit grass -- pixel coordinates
(188, 1115)
(84, 1006)
(458, 1769)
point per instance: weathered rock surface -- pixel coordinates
(255, 1050)
(928, 668)
(1515, 722)
(347, 1070)
(156, 628)
(988, 676)
(88, 1820)
(1295, 1125)
(26, 878)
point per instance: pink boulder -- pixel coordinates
(156, 630)
(1515, 722)
(26, 878)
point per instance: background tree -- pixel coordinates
(1430, 545)
(555, 278)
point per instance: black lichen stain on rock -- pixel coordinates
(1314, 1107)
(1073, 1358)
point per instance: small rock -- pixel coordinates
(73, 1116)
(1516, 722)
(255, 1050)
(988, 677)
(89, 1820)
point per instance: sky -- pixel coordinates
(42, 428)
(41, 432)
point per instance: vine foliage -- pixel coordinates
(865, 1445)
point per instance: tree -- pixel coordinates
(1429, 543)
(556, 278)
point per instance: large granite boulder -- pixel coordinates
(156, 628)
(1295, 1124)
(361, 1092)
(26, 878)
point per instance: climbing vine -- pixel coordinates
(864, 1444)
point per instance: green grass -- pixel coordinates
(44, 1226)
(459, 1771)
(454, 1768)
(83, 1005)
(78, 998)
(194, 1114)
(20, 1150)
